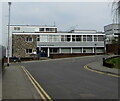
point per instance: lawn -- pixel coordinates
(115, 61)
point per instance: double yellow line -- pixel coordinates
(37, 86)
(99, 72)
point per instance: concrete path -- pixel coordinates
(16, 84)
(99, 67)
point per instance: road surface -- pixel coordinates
(68, 79)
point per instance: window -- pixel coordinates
(78, 37)
(41, 29)
(43, 38)
(100, 38)
(29, 51)
(54, 50)
(73, 38)
(50, 29)
(84, 37)
(16, 28)
(38, 38)
(62, 38)
(89, 37)
(68, 38)
(95, 37)
(29, 39)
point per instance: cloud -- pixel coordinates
(88, 15)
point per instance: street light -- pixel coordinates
(8, 47)
(95, 48)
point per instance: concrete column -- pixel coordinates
(93, 50)
(59, 50)
(48, 52)
(82, 38)
(92, 38)
(82, 49)
(70, 38)
(71, 51)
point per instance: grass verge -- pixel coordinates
(115, 61)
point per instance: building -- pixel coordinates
(32, 41)
(111, 32)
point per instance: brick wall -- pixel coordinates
(19, 45)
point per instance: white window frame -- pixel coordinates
(27, 40)
(16, 28)
(28, 52)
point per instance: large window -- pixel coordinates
(54, 50)
(65, 38)
(50, 29)
(43, 38)
(73, 38)
(62, 38)
(78, 37)
(95, 37)
(41, 29)
(89, 37)
(68, 38)
(28, 51)
(84, 37)
(100, 38)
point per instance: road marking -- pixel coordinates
(99, 72)
(37, 86)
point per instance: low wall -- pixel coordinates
(64, 55)
(107, 64)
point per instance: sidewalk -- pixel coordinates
(99, 67)
(16, 84)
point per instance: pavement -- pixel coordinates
(15, 81)
(99, 67)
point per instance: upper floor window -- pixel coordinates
(50, 29)
(84, 37)
(16, 28)
(100, 38)
(89, 37)
(41, 29)
(29, 39)
(95, 38)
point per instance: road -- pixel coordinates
(67, 79)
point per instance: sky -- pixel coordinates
(65, 15)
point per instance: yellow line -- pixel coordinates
(34, 85)
(48, 97)
(99, 72)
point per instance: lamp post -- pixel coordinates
(95, 48)
(8, 47)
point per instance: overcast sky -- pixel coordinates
(66, 16)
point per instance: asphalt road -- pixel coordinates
(67, 79)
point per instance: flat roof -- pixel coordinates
(35, 25)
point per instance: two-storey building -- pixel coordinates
(30, 41)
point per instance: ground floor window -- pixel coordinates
(99, 50)
(76, 50)
(28, 51)
(87, 50)
(54, 50)
(65, 50)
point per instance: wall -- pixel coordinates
(19, 45)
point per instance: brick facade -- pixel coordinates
(19, 45)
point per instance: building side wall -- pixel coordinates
(20, 45)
